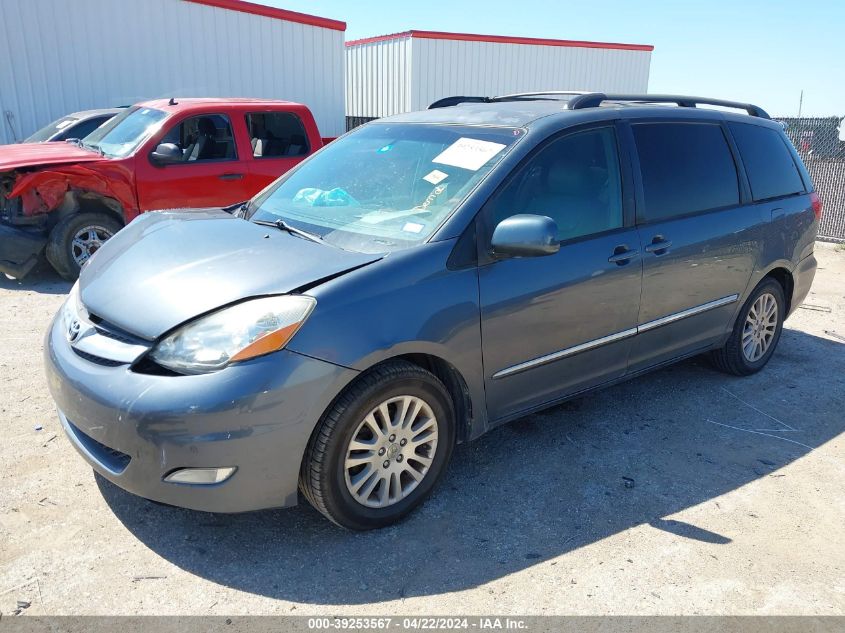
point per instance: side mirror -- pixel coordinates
(166, 154)
(525, 235)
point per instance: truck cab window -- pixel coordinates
(276, 134)
(203, 138)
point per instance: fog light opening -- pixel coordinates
(202, 476)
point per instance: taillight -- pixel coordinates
(816, 203)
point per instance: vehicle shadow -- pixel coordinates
(544, 485)
(42, 279)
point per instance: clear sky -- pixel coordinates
(764, 52)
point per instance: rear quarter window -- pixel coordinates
(686, 168)
(772, 172)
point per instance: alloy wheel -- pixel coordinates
(391, 451)
(88, 241)
(760, 327)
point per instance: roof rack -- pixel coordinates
(595, 99)
(579, 100)
(520, 96)
(446, 102)
(551, 94)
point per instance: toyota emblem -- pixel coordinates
(73, 330)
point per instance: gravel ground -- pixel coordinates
(682, 492)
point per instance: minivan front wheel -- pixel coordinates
(381, 448)
(756, 332)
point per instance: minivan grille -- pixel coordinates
(99, 360)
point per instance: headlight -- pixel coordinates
(243, 331)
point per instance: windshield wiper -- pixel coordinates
(284, 226)
(92, 147)
(238, 210)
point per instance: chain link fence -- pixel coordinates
(821, 144)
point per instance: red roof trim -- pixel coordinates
(379, 38)
(272, 12)
(501, 39)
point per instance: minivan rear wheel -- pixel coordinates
(756, 332)
(381, 448)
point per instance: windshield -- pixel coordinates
(385, 187)
(120, 136)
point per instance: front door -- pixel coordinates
(699, 241)
(561, 323)
(211, 174)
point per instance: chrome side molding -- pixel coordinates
(569, 351)
(704, 307)
(612, 338)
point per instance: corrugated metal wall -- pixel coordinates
(377, 78)
(442, 68)
(408, 73)
(58, 56)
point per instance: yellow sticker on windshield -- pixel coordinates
(468, 153)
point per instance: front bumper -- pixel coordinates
(20, 249)
(135, 429)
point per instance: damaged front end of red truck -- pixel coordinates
(59, 200)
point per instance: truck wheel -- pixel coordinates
(381, 448)
(756, 332)
(75, 238)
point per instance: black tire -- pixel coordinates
(60, 247)
(322, 477)
(731, 359)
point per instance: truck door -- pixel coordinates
(211, 173)
(278, 141)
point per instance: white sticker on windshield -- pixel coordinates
(468, 153)
(412, 227)
(435, 176)
(64, 124)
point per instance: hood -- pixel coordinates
(43, 154)
(166, 268)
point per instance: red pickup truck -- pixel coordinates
(66, 199)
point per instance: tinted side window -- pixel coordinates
(686, 167)
(85, 128)
(771, 171)
(276, 134)
(205, 137)
(574, 180)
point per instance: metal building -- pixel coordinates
(407, 71)
(58, 57)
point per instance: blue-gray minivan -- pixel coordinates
(419, 281)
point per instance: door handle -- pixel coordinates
(621, 255)
(230, 176)
(658, 245)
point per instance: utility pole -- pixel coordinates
(800, 103)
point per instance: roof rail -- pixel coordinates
(577, 100)
(546, 93)
(595, 99)
(520, 96)
(445, 102)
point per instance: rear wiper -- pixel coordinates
(284, 226)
